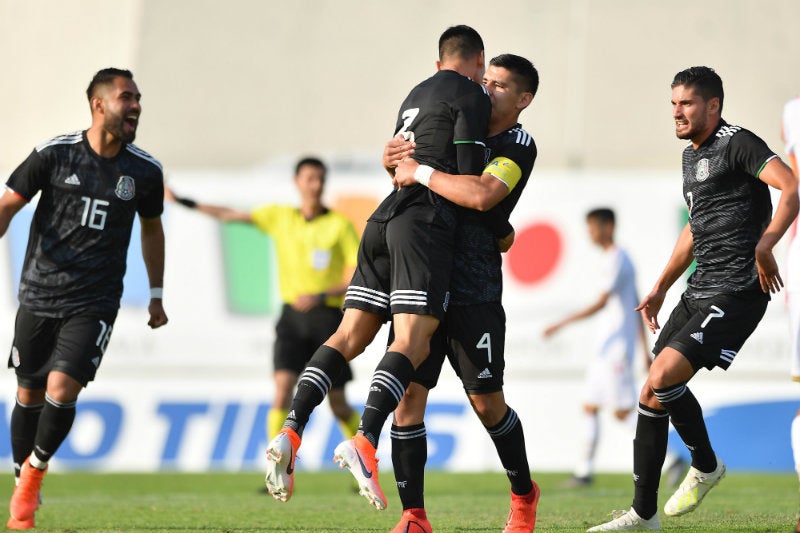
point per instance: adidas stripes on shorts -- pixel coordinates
(404, 264)
(710, 332)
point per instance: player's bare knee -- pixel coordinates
(648, 397)
(30, 396)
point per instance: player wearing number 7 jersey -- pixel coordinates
(727, 172)
(92, 184)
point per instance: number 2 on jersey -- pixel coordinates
(408, 117)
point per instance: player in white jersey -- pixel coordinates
(790, 133)
(609, 378)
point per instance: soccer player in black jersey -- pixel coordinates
(92, 184)
(472, 334)
(404, 264)
(727, 171)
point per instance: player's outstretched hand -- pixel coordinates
(157, 315)
(768, 274)
(396, 150)
(551, 330)
(170, 195)
(649, 307)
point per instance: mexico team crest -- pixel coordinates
(126, 188)
(701, 171)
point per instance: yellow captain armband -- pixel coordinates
(505, 170)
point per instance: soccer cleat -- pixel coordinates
(413, 521)
(281, 455)
(628, 521)
(25, 499)
(13, 523)
(693, 489)
(358, 456)
(522, 516)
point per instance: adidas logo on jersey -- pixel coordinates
(72, 180)
(697, 336)
(485, 374)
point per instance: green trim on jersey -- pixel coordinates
(764, 164)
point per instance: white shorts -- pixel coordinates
(609, 383)
(793, 302)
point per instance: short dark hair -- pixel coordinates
(525, 74)
(460, 41)
(105, 77)
(704, 80)
(311, 161)
(601, 214)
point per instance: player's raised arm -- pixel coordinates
(222, 213)
(776, 174)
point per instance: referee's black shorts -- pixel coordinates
(73, 345)
(298, 335)
(404, 264)
(710, 332)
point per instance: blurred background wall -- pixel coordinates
(240, 82)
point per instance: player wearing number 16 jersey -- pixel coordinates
(92, 184)
(727, 172)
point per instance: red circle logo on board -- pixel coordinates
(535, 253)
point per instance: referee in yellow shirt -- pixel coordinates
(316, 250)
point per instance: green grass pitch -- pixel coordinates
(326, 502)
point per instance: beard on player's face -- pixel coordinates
(116, 125)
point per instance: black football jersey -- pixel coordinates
(477, 267)
(440, 113)
(78, 241)
(729, 209)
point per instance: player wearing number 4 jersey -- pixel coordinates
(726, 174)
(92, 184)
(472, 335)
(404, 264)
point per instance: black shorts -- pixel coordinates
(298, 335)
(473, 339)
(404, 264)
(73, 345)
(710, 332)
